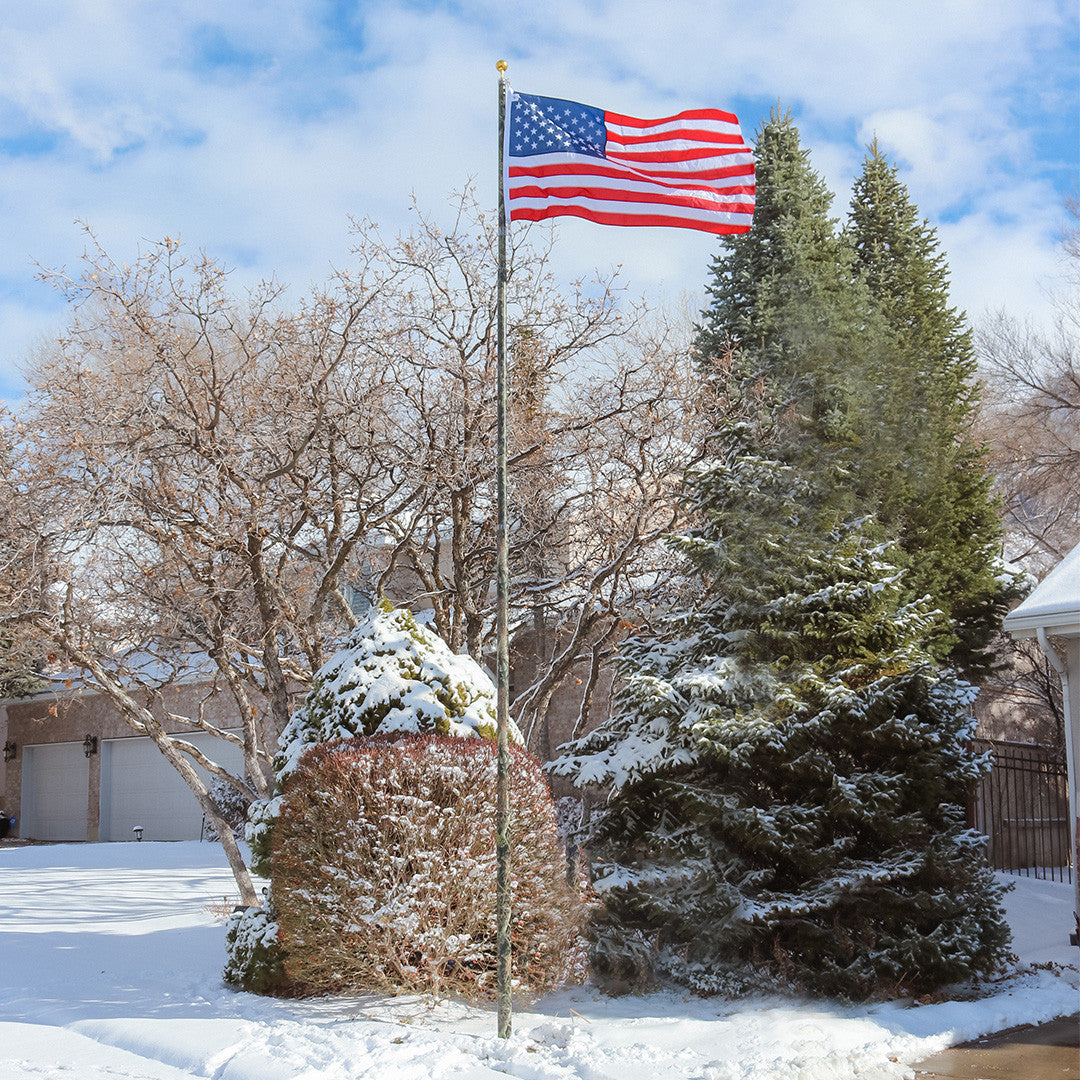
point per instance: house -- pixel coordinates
(75, 771)
(1051, 614)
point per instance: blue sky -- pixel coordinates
(252, 129)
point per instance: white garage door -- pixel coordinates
(55, 792)
(140, 787)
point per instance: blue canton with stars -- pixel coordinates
(543, 125)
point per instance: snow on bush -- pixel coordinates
(391, 675)
(254, 955)
(383, 871)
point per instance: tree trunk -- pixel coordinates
(142, 720)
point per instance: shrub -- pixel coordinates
(253, 954)
(259, 833)
(383, 871)
(391, 675)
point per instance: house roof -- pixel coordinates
(1054, 603)
(137, 666)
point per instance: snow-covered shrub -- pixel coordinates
(259, 833)
(232, 804)
(391, 675)
(383, 872)
(253, 955)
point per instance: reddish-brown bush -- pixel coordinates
(383, 871)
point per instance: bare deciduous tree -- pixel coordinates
(605, 414)
(198, 476)
(1030, 420)
(192, 481)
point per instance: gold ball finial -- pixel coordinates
(501, 66)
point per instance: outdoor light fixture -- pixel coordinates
(90, 745)
(137, 830)
(10, 750)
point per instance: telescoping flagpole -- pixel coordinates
(502, 789)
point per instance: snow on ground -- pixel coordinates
(110, 961)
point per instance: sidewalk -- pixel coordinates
(1048, 1052)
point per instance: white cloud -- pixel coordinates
(1013, 268)
(952, 152)
(262, 161)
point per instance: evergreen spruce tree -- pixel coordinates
(785, 297)
(934, 491)
(869, 368)
(787, 766)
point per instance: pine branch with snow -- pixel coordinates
(787, 768)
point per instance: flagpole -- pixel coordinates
(502, 784)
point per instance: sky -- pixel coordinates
(253, 129)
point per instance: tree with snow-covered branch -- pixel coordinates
(787, 766)
(391, 674)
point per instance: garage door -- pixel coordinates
(140, 787)
(55, 792)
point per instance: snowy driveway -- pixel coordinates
(110, 968)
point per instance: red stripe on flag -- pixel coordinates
(605, 218)
(688, 134)
(666, 155)
(598, 194)
(691, 181)
(706, 174)
(689, 114)
(615, 169)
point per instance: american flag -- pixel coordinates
(691, 171)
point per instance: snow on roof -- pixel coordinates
(136, 667)
(1053, 604)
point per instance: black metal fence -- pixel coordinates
(1022, 805)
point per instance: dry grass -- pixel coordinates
(223, 908)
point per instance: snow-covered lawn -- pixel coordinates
(110, 964)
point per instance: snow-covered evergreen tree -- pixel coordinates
(391, 674)
(787, 766)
